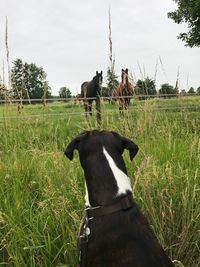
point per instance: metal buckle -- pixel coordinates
(88, 209)
(92, 208)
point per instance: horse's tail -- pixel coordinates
(84, 89)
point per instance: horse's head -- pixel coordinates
(124, 76)
(99, 79)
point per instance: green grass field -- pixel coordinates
(42, 192)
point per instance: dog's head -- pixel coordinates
(89, 144)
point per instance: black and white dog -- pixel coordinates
(114, 232)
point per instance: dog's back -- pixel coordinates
(124, 239)
(114, 233)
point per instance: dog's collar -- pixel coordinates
(123, 203)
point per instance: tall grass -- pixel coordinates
(42, 193)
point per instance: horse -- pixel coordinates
(124, 91)
(91, 90)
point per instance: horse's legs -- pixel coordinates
(86, 108)
(90, 107)
(98, 109)
(121, 107)
(128, 103)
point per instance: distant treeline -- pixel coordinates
(29, 81)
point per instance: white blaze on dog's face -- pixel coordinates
(122, 180)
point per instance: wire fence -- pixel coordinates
(110, 98)
(105, 110)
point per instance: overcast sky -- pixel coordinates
(69, 39)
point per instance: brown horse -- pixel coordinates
(124, 91)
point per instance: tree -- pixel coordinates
(191, 91)
(198, 91)
(3, 91)
(146, 87)
(188, 11)
(105, 92)
(17, 79)
(35, 81)
(167, 89)
(64, 92)
(29, 81)
(183, 92)
(112, 83)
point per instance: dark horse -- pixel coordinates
(124, 91)
(92, 91)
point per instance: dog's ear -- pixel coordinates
(126, 71)
(128, 144)
(101, 72)
(132, 147)
(69, 151)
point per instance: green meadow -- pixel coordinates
(42, 192)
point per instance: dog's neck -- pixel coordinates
(106, 178)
